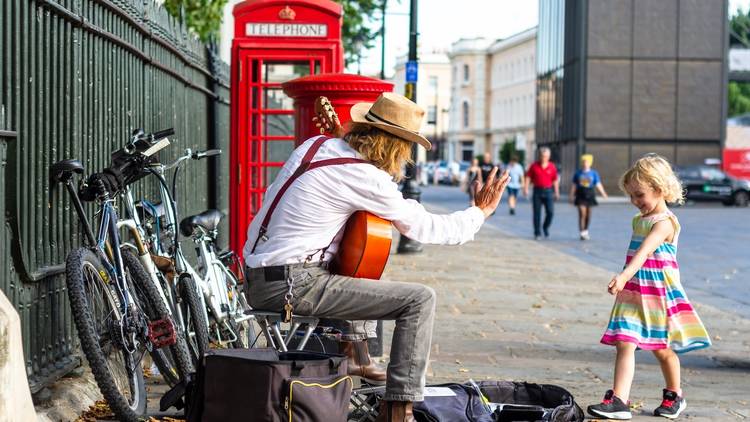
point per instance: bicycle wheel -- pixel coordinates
(114, 359)
(174, 361)
(194, 315)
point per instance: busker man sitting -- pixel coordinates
(302, 236)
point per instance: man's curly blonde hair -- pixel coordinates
(387, 152)
(654, 171)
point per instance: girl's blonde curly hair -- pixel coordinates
(386, 151)
(654, 171)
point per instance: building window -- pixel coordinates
(467, 150)
(466, 73)
(465, 113)
(432, 115)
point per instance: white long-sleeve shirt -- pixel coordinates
(313, 211)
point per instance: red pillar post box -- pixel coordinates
(343, 90)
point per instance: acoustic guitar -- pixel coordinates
(366, 244)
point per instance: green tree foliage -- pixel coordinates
(739, 37)
(360, 29)
(739, 29)
(202, 16)
(739, 98)
(509, 149)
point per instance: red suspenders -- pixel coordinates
(304, 166)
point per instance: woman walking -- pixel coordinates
(586, 182)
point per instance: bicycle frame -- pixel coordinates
(136, 229)
(107, 246)
(213, 278)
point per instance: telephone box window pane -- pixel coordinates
(270, 174)
(316, 71)
(255, 176)
(278, 151)
(285, 71)
(255, 204)
(275, 99)
(254, 98)
(278, 125)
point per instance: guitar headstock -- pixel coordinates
(326, 118)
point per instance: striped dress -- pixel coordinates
(653, 310)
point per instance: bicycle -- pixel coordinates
(211, 305)
(117, 311)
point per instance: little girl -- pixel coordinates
(651, 311)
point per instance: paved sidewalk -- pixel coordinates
(514, 309)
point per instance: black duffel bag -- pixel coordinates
(465, 405)
(264, 385)
(505, 401)
(523, 401)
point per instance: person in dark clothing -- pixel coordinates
(586, 182)
(486, 164)
(543, 175)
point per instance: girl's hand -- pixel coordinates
(616, 285)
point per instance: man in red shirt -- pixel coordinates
(543, 175)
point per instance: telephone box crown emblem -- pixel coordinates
(287, 13)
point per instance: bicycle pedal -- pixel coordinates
(161, 333)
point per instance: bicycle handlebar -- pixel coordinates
(127, 164)
(197, 155)
(160, 134)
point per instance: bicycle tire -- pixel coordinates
(194, 316)
(83, 269)
(174, 362)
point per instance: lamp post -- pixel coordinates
(382, 40)
(410, 187)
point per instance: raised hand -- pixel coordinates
(487, 196)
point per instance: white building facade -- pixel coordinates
(467, 121)
(493, 97)
(433, 95)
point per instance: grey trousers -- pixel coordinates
(319, 293)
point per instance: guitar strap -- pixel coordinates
(304, 166)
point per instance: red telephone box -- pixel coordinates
(275, 41)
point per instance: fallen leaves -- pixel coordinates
(98, 410)
(636, 405)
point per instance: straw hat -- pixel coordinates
(394, 114)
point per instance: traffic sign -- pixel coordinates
(411, 71)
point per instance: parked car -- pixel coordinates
(706, 183)
(442, 174)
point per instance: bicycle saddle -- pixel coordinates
(208, 220)
(155, 210)
(62, 170)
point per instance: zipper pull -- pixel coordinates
(286, 403)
